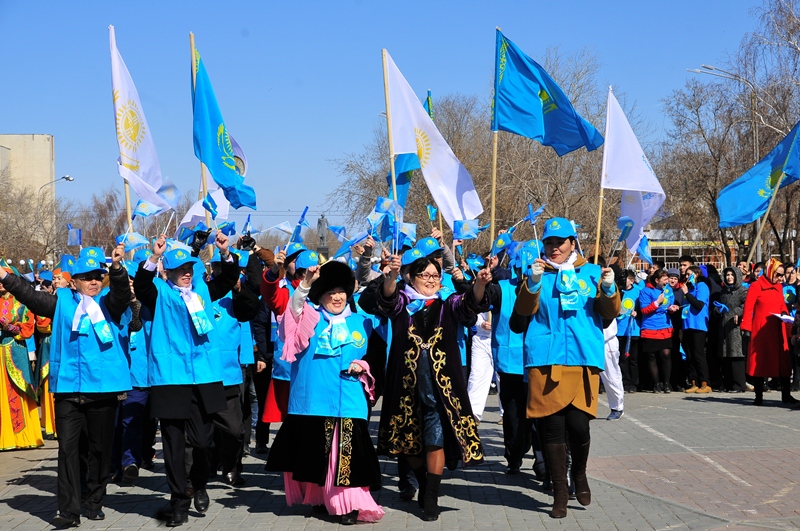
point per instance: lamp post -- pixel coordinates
(725, 74)
(66, 178)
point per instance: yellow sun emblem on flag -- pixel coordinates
(130, 128)
(423, 147)
(225, 147)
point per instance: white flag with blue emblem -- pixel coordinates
(626, 168)
(138, 161)
(413, 131)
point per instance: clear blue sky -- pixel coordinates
(300, 83)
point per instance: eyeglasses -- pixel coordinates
(429, 276)
(89, 278)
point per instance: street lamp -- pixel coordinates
(725, 74)
(66, 178)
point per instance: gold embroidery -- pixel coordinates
(345, 452)
(329, 425)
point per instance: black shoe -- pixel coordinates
(319, 509)
(667, 388)
(758, 401)
(201, 501)
(539, 471)
(165, 513)
(657, 388)
(512, 470)
(66, 520)
(233, 478)
(130, 474)
(407, 494)
(95, 514)
(789, 399)
(178, 518)
(262, 449)
(350, 518)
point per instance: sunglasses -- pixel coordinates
(90, 277)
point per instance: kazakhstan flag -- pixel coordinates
(212, 144)
(746, 199)
(529, 103)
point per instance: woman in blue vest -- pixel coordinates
(655, 301)
(88, 371)
(324, 447)
(182, 362)
(426, 413)
(568, 298)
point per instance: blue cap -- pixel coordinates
(306, 260)
(558, 228)
(141, 255)
(176, 258)
(46, 276)
(93, 252)
(294, 248)
(216, 257)
(87, 264)
(428, 246)
(131, 266)
(412, 255)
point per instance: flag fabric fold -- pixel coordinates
(467, 229)
(144, 209)
(413, 131)
(746, 199)
(197, 213)
(528, 102)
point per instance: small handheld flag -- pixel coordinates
(132, 241)
(467, 229)
(210, 205)
(432, 213)
(339, 231)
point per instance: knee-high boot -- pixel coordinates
(557, 464)
(422, 480)
(430, 511)
(580, 454)
(786, 389)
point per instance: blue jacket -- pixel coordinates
(630, 302)
(228, 340)
(697, 319)
(570, 338)
(281, 370)
(318, 386)
(658, 320)
(246, 354)
(506, 345)
(138, 344)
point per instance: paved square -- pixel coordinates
(674, 462)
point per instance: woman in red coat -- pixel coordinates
(768, 351)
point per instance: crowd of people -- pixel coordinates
(112, 350)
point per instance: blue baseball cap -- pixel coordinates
(141, 255)
(93, 252)
(87, 264)
(558, 228)
(412, 255)
(46, 276)
(306, 260)
(293, 249)
(177, 257)
(428, 245)
(215, 257)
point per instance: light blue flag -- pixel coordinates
(227, 228)
(184, 233)
(170, 193)
(467, 229)
(248, 227)
(428, 105)
(384, 206)
(404, 166)
(746, 199)
(210, 205)
(432, 213)
(501, 243)
(132, 241)
(144, 209)
(340, 231)
(375, 219)
(533, 215)
(74, 236)
(296, 238)
(528, 102)
(644, 250)
(347, 244)
(212, 144)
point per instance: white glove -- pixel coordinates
(536, 272)
(608, 279)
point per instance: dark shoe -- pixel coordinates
(657, 388)
(95, 514)
(557, 464)
(233, 478)
(350, 518)
(178, 518)
(66, 520)
(789, 399)
(201, 501)
(580, 454)
(422, 481)
(262, 449)
(430, 511)
(130, 474)
(615, 415)
(539, 471)
(319, 509)
(407, 494)
(666, 387)
(147, 464)
(512, 470)
(759, 400)
(164, 514)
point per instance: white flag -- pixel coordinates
(625, 167)
(413, 131)
(138, 161)
(197, 212)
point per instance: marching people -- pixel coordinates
(565, 297)
(186, 386)
(88, 373)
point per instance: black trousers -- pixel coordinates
(229, 431)
(569, 421)
(197, 432)
(247, 398)
(629, 365)
(733, 372)
(516, 425)
(694, 344)
(97, 419)
(261, 382)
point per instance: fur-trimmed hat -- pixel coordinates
(332, 274)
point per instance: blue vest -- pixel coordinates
(228, 339)
(138, 344)
(177, 354)
(246, 354)
(628, 304)
(281, 370)
(81, 363)
(461, 331)
(318, 386)
(659, 319)
(506, 345)
(698, 319)
(570, 338)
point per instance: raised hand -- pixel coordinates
(117, 254)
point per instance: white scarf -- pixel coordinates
(566, 264)
(193, 302)
(88, 307)
(336, 334)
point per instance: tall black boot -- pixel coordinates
(758, 387)
(422, 479)
(580, 454)
(431, 509)
(557, 464)
(786, 389)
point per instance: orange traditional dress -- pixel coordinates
(19, 417)
(44, 331)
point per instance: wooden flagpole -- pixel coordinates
(389, 129)
(128, 205)
(202, 166)
(754, 245)
(494, 181)
(602, 190)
